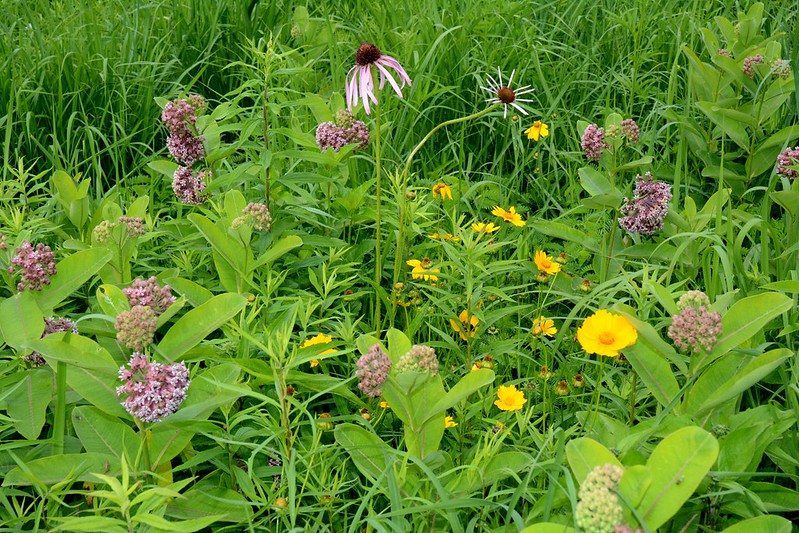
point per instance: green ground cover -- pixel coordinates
(545, 283)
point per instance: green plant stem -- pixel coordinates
(598, 391)
(378, 258)
(60, 423)
(145, 434)
(398, 258)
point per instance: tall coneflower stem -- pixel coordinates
(378, 257)
(399, 258)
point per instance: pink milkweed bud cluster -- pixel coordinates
(154, 391)
(373, 369)
(35, 265)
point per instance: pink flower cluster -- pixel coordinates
(593, 142)
(629, 128)
(51, 325)
(37, 265)
(189, 187)
(373, 369)
(749, 65)
(154, 391)
(787, 159)
(180, 117)
(695, 327)
(647, 209)
(260, 216)
(345, 130)
(133, 225)
(150, 294)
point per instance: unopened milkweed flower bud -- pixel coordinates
(599, 509)
(136, 327)
(149, 293)
(645, 212)
(37, 265)
(593, 142)
(419, 359)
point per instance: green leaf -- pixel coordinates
(788, 200)
(548, 527)
(761, 524)
(198, 323)
(195, 293)
(758, 368)
(105, 524)
(498, 467)
(73, 271)
(21, 320)
(184, 526)
(678, 464)
(731, 122)
(233, 253)
(368, 451)
(468, 384)
(102, 433)
(742, 321)
(566, 232)
(398, 344)
(91, 371)
(278, 249)
(28, 404)
(585, 454)
(765, 154)
(206, 501)
(58, 468)
(164, 167)
(112, 300)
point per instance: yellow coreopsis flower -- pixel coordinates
(537, 130)
(509, 398)
(443, 190)
(544, 326)
(319, 339)
(605, 333)
(485, 228)
(384, 404)
(545, 263)
(461, 326)
(509, 216)
(421, 269)
(449, 422)
(444, 237)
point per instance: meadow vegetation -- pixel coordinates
(429, 265)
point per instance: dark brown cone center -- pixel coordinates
(506, 95)
(367, 54)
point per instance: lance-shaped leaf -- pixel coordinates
(72, 272)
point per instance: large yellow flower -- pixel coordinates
(544, 326)
(422, 270)
(509, 216)
(510, 399)
(461, 326)
(545, 263)
(443, 190)
(485, 228)
(537, 130)
(604, 333)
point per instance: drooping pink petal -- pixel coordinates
(385, 75)
(390, 62)
(366, 78)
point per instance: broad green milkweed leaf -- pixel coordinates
(678, 464)
(21, 320)
(72, 272)
(368, 451)
(28, 404)
(198, 323)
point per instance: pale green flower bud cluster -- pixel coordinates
(599, 509)
(420, 358)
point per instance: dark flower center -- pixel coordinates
(367, 54)
(506, 95)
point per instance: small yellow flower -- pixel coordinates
(510, 399)
(384, 404)
(443, 190)
(604, 333)
(545, 263)
(319, 339)
(444, 237)
(464, 318)
(509, 216)
(544, 326)
(421, 269)
(537, 130)
(449, 422)
(485, 228)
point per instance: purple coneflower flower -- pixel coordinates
(361, 85)
(502, 92)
